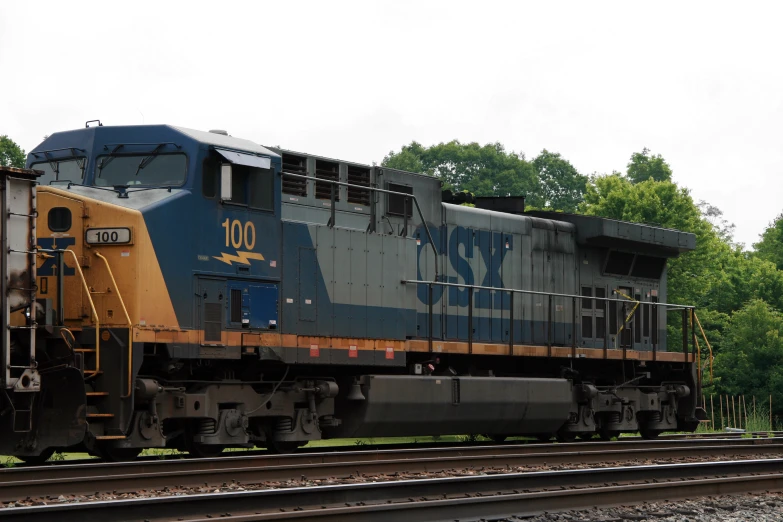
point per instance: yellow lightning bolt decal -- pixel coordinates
(241, 257)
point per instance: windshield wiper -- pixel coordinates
(53, 164)
(105, 161)
(149, 159)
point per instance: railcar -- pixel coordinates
(169, 287)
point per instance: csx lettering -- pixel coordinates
(237, 235)
(462, 245)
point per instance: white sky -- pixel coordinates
(699, 82)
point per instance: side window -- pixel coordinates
(209, 177)
(252, 186)
(262, 189)
(239, 177)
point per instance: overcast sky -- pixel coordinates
(699, 82)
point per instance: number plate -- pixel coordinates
(108, 236)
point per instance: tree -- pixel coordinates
(664, 204)
(643, 166)
(11, 154)
(751, 359)
(561, 187)
(771, 245)
(486, 170)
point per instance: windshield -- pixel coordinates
(141, 169)
(61, 170)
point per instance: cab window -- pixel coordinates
(156, 170)
(64, 170)
(252, 187)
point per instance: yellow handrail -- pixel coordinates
(617, 336)
(94, 312)
(707, 342)
(130, 325)
(698, 349)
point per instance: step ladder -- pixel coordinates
(20, 379)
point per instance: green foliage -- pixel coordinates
(771, 245)
(664, 204)
(486, 170)
(757, 422)
(549, 181)
(751, 358)
(561, 187)
(11, 154)
(643, 166)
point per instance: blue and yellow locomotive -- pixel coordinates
(194, 290)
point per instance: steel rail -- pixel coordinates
(41, 482)
(434, 499)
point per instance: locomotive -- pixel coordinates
(169, 287)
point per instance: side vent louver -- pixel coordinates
(326, 170)
(294, 165)
(358, 176)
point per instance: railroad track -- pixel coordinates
(88, 479)
(454, 498)
(436, 445)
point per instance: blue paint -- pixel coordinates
(492, 247)
(49, 266)
(460, 237)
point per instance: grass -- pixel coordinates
(756, 422)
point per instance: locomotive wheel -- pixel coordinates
(649, 434)
(606, 434)
(565, 436)
(37, 459)
(204, 451)
(284, 446)
(109, 454)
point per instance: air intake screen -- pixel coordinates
(213, 324)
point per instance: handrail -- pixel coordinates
(708, 344)
(549, 295)
(532, 292)
(630, 314)
(375, 189)
(94, 312)
(130, 325)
